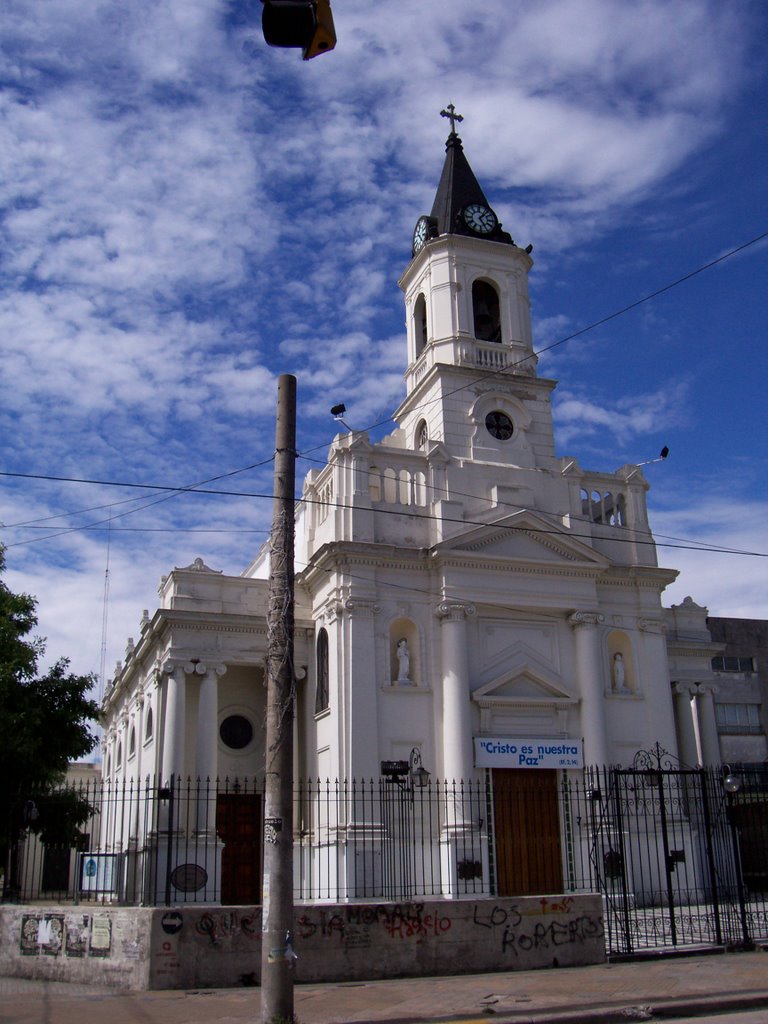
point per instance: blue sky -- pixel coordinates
(187, 213)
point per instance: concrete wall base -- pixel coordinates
(217, 947)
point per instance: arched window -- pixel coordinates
(586, 508)
(119, 757)
(420, 324)
(132, 742)
(422, 435)
(322, 696)
(148, 726)
(374, 483)
(404, 487)
(419, 489)
(597, 507)
(485, 311)
(390, 486)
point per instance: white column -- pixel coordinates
(705, 709)
(174, 725)
(457, 722)
(138, 725)
(686, 734)
(155, 697)
(207, 753)
(138, 722)
(137, 802)
(655, 686)
(589, 672)
(359, 687)
(111, 749)
(122, 739)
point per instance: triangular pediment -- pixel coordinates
(524, 536)
(524, 681)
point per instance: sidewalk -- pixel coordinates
(673, 987)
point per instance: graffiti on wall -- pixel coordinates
(216, 925)
(543, 926)
(517, 933)
(353, 925)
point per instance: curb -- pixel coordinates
(668, 1009)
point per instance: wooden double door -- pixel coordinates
(528, 850)
(240, 826)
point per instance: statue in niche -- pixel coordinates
(619, 674)
(403, 662)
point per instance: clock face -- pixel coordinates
(420, 233)
(479, 218)
(499, 425)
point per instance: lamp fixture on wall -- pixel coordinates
(408, 775)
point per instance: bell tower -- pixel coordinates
(471, 377)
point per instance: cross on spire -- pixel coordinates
(453, 116)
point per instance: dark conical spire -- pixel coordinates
(458, 189)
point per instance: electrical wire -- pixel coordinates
(195, 488)
(150, 504)
(574, 517)
(125, 501)
(684, 544)
(574, 334)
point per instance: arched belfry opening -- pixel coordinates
(420, 324)
(486, 312)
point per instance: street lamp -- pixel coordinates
(418, 773)
(731, 782)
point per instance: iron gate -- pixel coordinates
(680, 855)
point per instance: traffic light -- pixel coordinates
(302, 23)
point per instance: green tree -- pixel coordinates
(45, 722)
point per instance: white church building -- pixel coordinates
(473, 603)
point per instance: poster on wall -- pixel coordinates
(506, 752)
(101, 935)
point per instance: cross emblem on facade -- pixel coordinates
(454, 117)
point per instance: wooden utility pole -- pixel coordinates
(277, 894)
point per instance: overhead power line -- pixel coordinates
(686, 545)
(196, 488)
(561, 341)
(505, 370)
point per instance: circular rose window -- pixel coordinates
(236, 732)
(499, 425)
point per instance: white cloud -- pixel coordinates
(187, 214)
(618, 420)
(728, 584)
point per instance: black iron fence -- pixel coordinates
(680, 856)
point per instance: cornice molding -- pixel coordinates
(526, 703)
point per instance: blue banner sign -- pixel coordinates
(503, 752)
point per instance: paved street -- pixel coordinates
(681, 987)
